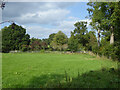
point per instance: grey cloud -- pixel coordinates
(46, 17)
(15, 10)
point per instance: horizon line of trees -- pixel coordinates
(14, 37)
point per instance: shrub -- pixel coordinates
(111, 51)
(42, 51)
(25, 48)
(95, 48)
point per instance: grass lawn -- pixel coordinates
(39, 70)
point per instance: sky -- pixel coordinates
(44, 18)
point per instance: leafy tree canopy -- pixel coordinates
(13, 37)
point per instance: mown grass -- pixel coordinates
(41, 70)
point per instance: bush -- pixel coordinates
(95, 49)
(111, 51)
(25, 48)
(42, 51)
(81, 47)
(108, 50)
(117, 51)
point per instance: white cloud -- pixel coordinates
(43, 32)
(40, 32)
(70, 24)
(73, 18)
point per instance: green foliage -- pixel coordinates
(111, 51)
(13, 37)
(81, 47)
(81, 39)
(51, 36)
(59, 41)
(105, 17)
(45, 42)
(117, 50)
(34, 39)
(107, 50)
(60, 38)
(95, 48)
(73, 43)
(92, 41)
(54, 45)
(80, 32)
(25, 48)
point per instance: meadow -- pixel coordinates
(50, 70)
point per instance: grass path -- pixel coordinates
(36, 69)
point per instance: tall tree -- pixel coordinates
(59, 40)
(73, 43)
(13, 37)
(106, 15)
(80, 32)
(92, 40)
(51, 36)
(97, 14)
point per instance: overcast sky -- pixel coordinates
(42, 19)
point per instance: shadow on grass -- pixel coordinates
(93, 79)
(50, 80)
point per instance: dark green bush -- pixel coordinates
(110, 51)
(25, 48)
(95, 48)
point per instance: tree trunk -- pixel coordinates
(112, 35)
(98, 37)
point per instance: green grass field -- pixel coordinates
(40, 70)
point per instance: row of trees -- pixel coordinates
(14, 37)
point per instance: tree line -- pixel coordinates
(14, 37)
(105, 18)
